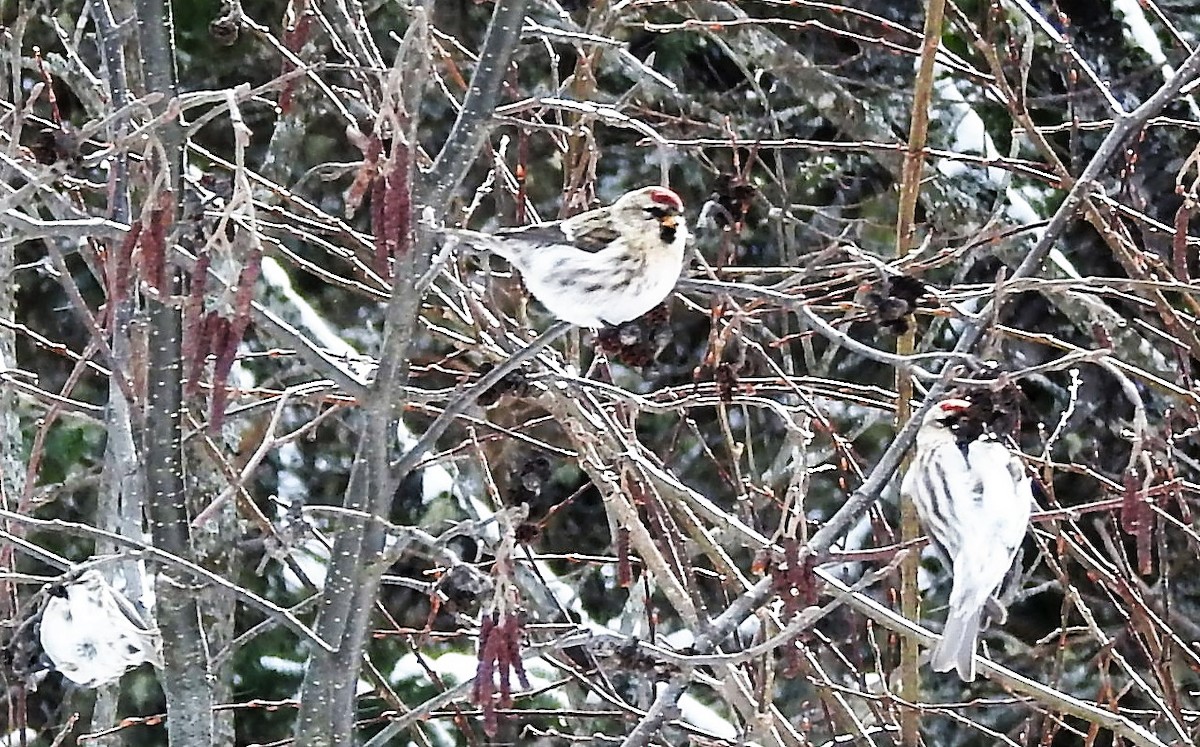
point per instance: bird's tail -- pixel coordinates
(477, 241)
(956, 650)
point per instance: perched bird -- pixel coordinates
(92, 634)
(603, 267)
(974, 501)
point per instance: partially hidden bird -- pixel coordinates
(974, 501)
(92, 634)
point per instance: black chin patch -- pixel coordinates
(666, 233)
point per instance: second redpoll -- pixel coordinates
(603, 267)
(974, 501)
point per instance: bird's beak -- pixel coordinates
(668, 221)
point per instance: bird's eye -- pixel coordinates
(658, 212)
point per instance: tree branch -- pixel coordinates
(474, 119)
(185, 679)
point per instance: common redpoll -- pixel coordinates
(974, 501)
(92, 634)
(602, 267)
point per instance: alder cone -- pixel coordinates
(637, 343)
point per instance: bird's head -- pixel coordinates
(946, 413)
(651, 209)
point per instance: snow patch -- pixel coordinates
(1023, 213)
(968, 134)
(313, 558)
(14, 738)
(313, 323)
(1140, 33)
(279, 665)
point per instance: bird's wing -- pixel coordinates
(1006, 494)
(591, 231)
(563, 232)
(538, 233)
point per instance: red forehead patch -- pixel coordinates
(953, 405)
(664, 196)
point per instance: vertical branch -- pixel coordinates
(327, 710)
(357, 564)
(12, 474)
(185, 679)
(121, 499)
(910, 529)
(474, 118)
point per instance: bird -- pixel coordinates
(974, 501)
(603, 267)
(92, 634)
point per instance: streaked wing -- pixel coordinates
(595, 239)
(539, 233)
(945, 492)
(589, 232)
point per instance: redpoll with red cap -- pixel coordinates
(602, 267)
(974, 502)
